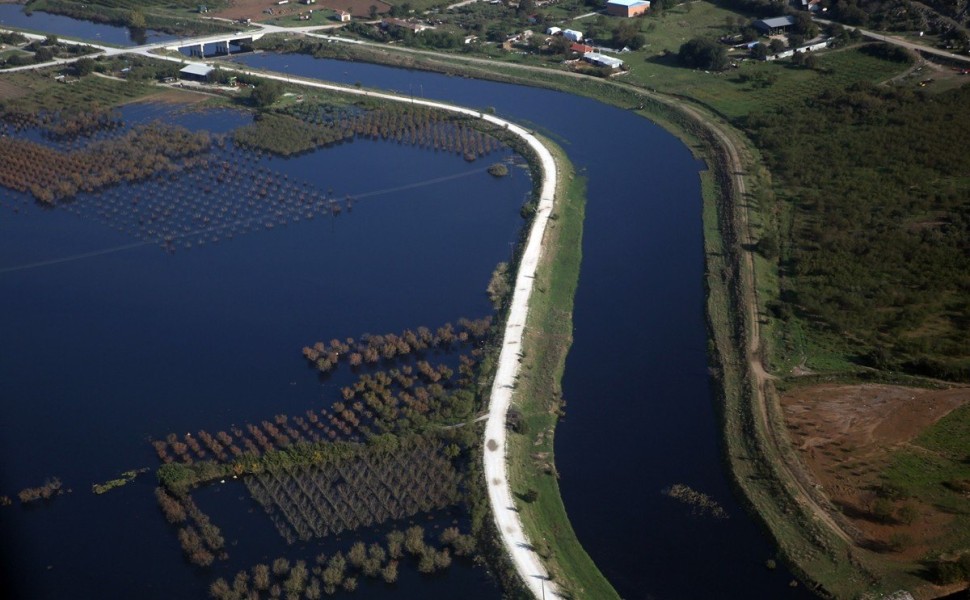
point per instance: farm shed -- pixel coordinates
(196, 72)
(774, 25)
(627, 8)
(601, 60)
(571, 34)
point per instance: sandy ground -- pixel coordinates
(845, 435)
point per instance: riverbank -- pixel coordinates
(538, 398)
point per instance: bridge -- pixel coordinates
(222, 41)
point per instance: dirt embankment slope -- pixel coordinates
(846, 435)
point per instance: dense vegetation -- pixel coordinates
(876, 251)
(137, 15)
(38, 51)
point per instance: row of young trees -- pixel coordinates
(340, 571)
(398, 400)
(307, 126)
(66, 125)
(51, 487)
(368, 488)
(255, 440)
(210, 199)
(144, 152)
(201, 540)
(372, 349)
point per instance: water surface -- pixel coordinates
(13, 15)
(109, 342)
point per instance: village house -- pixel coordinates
(627, 8)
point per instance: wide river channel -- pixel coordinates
(102, 353)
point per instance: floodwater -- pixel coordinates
(13, 15)
(640, 415)
(110, 341)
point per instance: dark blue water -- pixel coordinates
(12, 15)
(640, 415)
(98, 354)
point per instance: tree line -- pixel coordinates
(341, 571)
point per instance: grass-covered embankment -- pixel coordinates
(537, 399)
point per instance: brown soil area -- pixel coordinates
(845, 435)
(253, 9)
(9, 91)
(357, 8)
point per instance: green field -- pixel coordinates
(321, 16)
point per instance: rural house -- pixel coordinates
(627, 8)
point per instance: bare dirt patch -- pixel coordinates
(257, 9)
(9, 91)
(845, 435)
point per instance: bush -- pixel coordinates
(267, 92)
(701, 53)
(882, 510)
(907, 514)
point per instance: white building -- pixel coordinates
(602, 60)
(554, 30)
(576, 36)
